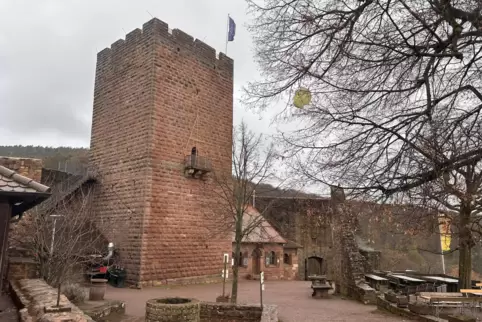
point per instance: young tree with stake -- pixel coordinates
(253, 164)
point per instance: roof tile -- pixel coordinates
(10, 181)
(263, 232)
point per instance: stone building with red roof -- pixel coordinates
(263, 249)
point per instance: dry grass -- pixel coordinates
(75, 292)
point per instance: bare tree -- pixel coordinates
(252, 166)
(386, 77)
(62, 235)
(457, 193)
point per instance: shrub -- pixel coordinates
(75, 292)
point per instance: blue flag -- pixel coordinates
(232, 29)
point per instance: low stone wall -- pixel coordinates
(210, 279)
(383, 304)
(34, 298)
(222, 312)
(103, 309)
(366, 294)
(190, 310)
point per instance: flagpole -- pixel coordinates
(227, 35)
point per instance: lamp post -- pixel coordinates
(53, 233)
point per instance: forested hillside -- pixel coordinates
(73, 160)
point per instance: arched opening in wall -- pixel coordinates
(313, 266)
(245, 259)
(256, 261)
(270, 259)
(287, 259)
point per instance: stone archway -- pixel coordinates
(256, 261)
(313, 266)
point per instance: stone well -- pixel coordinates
(172, 309)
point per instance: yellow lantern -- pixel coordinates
(302, 97)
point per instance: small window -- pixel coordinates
(270, 258)
(287, 259)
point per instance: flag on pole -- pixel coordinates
(231, 29)
(445, 234)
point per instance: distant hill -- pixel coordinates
(73, 160)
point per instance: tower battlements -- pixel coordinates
(157, 31)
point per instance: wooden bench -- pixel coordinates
(440, 302)
(471, 291)
(427, 295)
(455, 299)
(321, 291)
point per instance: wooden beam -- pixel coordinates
(469, 290)
(5, 215)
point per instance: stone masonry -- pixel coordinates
(27, 167)
(157, 94)
(36, 301)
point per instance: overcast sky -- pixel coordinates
(48, 52)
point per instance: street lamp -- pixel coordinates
(53, 233)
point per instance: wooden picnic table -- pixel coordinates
(317, 278)
(471, 291)
(320, 291)
(456, 301)
(377, 282)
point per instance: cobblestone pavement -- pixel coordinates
(293, 298)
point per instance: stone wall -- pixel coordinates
(383, 304)
(27, 167)
(291, 268)
(306, 222)
(157, 94)
(395, 231)
(219, 312)
(349, 275)
(36, 300)
(191, 310)
(22, 268)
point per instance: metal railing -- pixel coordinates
(197, 162)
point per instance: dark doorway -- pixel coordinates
(313, 266)
(256, 258)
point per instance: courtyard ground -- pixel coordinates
(293, 298)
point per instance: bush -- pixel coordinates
(76, 293)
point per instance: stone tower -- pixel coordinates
(158, 94)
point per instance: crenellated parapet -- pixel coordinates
(157, 31)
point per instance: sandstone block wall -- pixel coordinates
(291, 269)
(22, 268)
(28, 167)
(195, 311)
(271, 272)
(33, 296)
(157, 94)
